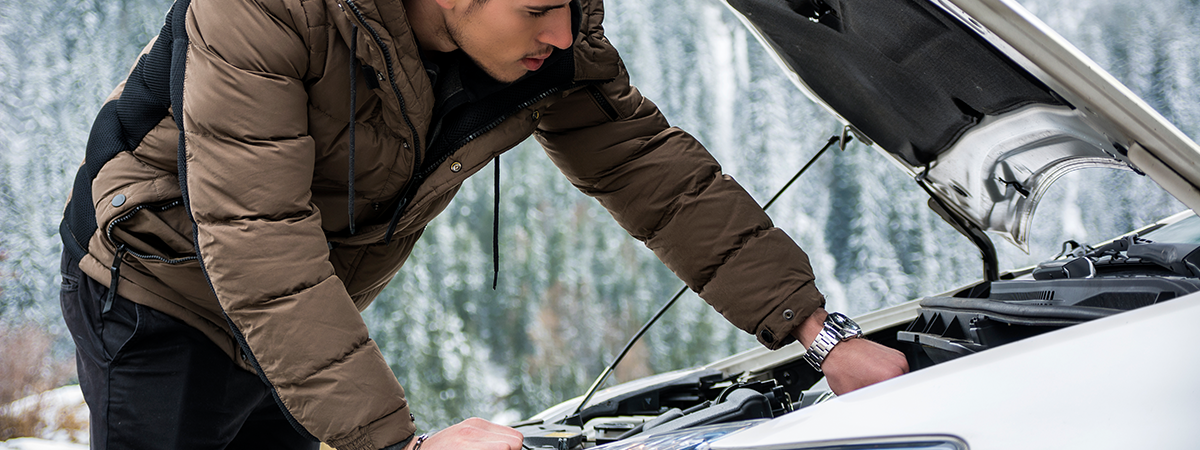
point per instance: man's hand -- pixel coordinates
(859, 363)
(473, 434)
(855, 363)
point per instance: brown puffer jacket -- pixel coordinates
(252, 244)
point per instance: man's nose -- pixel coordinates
(557, 30)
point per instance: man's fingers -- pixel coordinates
(858, 363)
(475, 434)
(495, 431)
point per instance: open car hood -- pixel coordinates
(978, 100)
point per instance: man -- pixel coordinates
(269, 164)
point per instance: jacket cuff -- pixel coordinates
(397, 427)
(766, 288)
(775, 331)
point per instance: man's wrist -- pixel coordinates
(420, 439)
(835, 329)
(807, 331)
(402, 444)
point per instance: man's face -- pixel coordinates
(509, 38)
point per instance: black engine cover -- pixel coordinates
(951, 327)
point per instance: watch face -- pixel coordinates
(848, 327)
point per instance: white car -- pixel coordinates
(984, 107)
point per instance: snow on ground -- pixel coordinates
(64, 419)
(39, 444)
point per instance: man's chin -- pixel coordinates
(506, 76)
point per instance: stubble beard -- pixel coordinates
(455, 35)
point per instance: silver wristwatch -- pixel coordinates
(837, 328)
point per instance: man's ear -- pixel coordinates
(448, 4)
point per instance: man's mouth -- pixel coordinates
(535, 62)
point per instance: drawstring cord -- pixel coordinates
(353, 108)
(496, 227)
(115, 271)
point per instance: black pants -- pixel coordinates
(153, 382)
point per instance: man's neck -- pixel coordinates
(429, 25)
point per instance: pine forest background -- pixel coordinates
(573, 286)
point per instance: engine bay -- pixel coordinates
(1081, 284)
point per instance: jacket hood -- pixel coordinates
(978, 100)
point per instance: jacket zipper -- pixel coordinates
(387, 58)
(603, 102)
(122, 249)
(129, 215)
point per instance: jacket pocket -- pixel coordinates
(154, 233)
(70, 281)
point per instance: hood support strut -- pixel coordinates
(987, 250)
(576, 418)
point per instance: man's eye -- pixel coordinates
(539, 13)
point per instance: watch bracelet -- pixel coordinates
(816, 353)
(402, 444)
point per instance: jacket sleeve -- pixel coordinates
(666, 190)
(246, 169)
